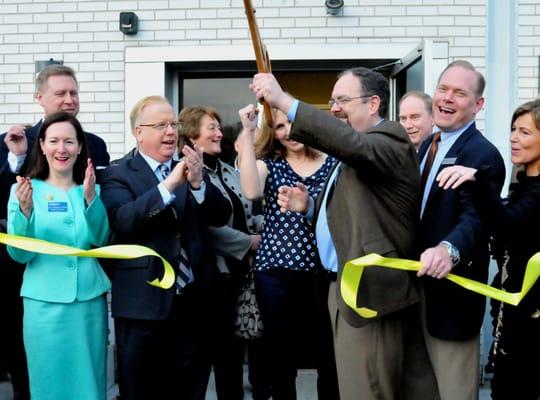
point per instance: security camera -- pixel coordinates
(333, 7)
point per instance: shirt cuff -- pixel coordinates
(311, 209)
(291, 114)
(199, 193)
(166, 196)
(15, 162)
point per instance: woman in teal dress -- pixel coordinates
(65, 311)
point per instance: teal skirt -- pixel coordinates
(66, 348)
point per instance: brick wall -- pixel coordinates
(85, 35)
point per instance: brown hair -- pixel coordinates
(53, 70)
(189, 123)
(267, 146)
(480, 81)
(531, 107)
(38, 161)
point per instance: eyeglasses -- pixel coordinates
(162, 126)
(344, 100)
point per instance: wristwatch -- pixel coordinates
(453, 252)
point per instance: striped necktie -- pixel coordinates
(183, 274)
(163, 171)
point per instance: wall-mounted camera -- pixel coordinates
(334, 7)
(128, 23)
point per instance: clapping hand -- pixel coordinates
(89, 183)
(293, 198)
(16, 141)
(24, 195)
(194, 162)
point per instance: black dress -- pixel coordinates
(516, 349)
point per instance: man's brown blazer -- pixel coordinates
(374, 207)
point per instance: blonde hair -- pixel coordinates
(480, 80)
(267, 146)
(138, 108)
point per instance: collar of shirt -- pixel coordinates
(378, 122)
(447, 135)
(153, 164)
(447, 141)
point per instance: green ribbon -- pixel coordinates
(119, 251)
(352, 274)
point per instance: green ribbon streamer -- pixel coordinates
(352, 274)
(120, 251)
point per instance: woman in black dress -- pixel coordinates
(515, 224)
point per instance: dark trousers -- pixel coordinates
(229, 370)
(162, 359)
(297, 330)
(226, 351)
(11, 337)
(515, 372)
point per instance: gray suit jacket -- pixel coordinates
(374, 207)
(227, 241)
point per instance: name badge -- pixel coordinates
(449, 161)
(58, 206)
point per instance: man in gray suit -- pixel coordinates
(369, 205)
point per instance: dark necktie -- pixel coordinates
(183, 273)
(432, 151)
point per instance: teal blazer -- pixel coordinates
(61, 217)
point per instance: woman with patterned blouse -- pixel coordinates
(290, 284)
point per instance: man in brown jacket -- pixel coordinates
(369, 205)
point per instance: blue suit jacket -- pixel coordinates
(138, 216)
(452, 312)
(60, 217)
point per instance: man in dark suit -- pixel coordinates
(158, 331)
(56, 90)
(451, 236)
(369, 204)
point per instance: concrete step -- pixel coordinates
(305, 384)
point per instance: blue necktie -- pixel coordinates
(163, 171)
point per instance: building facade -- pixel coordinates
(200, 51)
(110, 65)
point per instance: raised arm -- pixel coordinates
(253, 172)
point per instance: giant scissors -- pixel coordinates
(261, 54)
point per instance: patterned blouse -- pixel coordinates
(287, 242)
